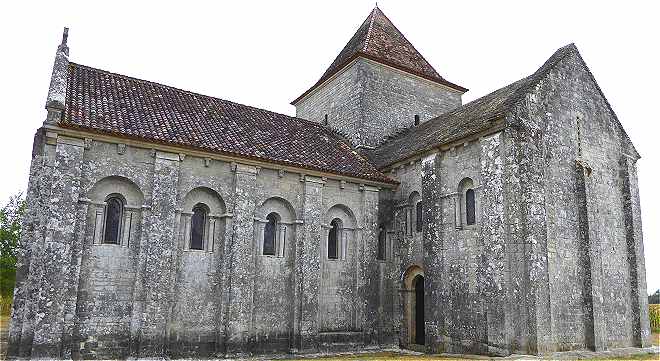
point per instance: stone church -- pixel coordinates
(387, 213)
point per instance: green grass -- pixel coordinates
(393, 356)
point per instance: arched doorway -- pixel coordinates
(420, 336)
(413, 333)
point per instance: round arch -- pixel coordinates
(343, 213)
(280, 206)
(408, 277)
(208, 197)
(123, 187)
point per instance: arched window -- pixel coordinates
(414, 221)
(270, 234)
(382, 239)
(469, 207)
(333, 239)
(466, 204)
(419, 218)
(114, 210)
(198, 227)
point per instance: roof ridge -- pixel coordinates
(542, 71)
(371, 26)
(411, 45)
(144, 81)
(379, 40)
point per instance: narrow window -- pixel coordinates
(325, 121)
(113, 213)
(270, 233)
(418, 219)
(333, 238)
(416, 119)
(407, 221)
(197, 226)
(469, 206)
(381, 244)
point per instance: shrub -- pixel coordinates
(5, 305)
(654, 317)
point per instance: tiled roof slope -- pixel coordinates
(469, 119)
(378, 39)
(100, 101)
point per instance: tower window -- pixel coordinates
(325, 121)
(416, 119)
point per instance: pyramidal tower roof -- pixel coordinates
(379, 40)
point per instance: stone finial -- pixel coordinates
(57, 90)
(65, 37)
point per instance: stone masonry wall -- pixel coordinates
(340, 99)
(151, 296)
(368, 102)
(463, 264)
(584, 259)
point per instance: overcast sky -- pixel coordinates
(267, 53)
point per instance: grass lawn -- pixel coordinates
(393, 356)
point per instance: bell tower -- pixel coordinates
(378, 85)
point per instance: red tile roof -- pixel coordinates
(379, 40)
(100, 101)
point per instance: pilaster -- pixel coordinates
(590, 243)
(527, 222)
(240, 263)
(369, 280)
(55, 261)
(30, 248)
(636, 262)
(433, 261)
(308, 266)
(155, 261)
(493, 273)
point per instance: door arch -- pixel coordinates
(413, 330)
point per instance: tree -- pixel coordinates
(654, 298)
(11, 216)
